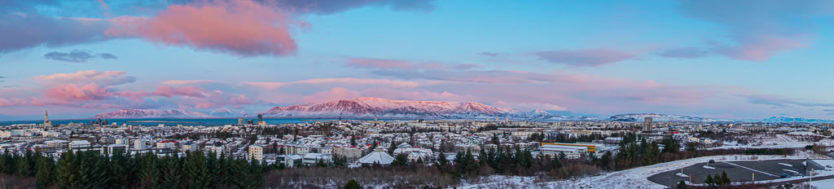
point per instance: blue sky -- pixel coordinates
(735, 60)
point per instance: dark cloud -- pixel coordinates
(22, 30)
(77, 56)
(585, 57)
(782, 102)
(490, 54)
(23, 27)
(684, 53)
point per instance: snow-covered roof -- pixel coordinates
(377, 157)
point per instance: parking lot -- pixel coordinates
(738, 171)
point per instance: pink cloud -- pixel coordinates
(267, 85)
(337, 81)
(73, 92)
(243, 27)
(189, 91)
(186, 82)
(360, 81)
(105, 78)
(337, 93)
(762, 47)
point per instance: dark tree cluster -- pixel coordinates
(91, 169)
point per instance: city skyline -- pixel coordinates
(714, 59)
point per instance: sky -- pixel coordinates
(740, 59)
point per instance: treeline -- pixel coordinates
(91, 169)
(509, 161)
(634, 154)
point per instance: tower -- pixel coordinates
(46, 121)
(647, 124)
(261, 121)
(240, 121)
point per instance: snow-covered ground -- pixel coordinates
(778, 141)
(823, 183)
(630, 178)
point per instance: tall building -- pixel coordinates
(46, 121)
(647, 124)
(240, 121)
(261, 121)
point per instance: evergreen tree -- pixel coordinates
(724, 178)
(352, 184)
(392, 147)
(196, 173)
(442, 162)
(682, 185)
(66, 174)
(25, 165)
(709, 181)
(605, 161)
(45, 173)
(400, 160)
(3, 159)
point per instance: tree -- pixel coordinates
(709, 181)
(605, 161)
(66, 174)
(352, 184)
(401, 160)
(26, 164)
(442, 162)
(691, 147)
(671, 145)
(724, 178)
(682, 185)
(496, 140)
(44, 172)
(392, 147)
(353, 140)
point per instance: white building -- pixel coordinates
(79, 144)
(139, 144)
(256, 152)
(313, 158)
(571, 152)
(376, 157)
(166, 144)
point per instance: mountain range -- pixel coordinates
(370, 108)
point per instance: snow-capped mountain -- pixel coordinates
(368, 107)
(545, 115)
(657, 117)
(224, 113)
(150, 113)
(783, 119)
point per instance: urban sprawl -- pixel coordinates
(465, 153)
